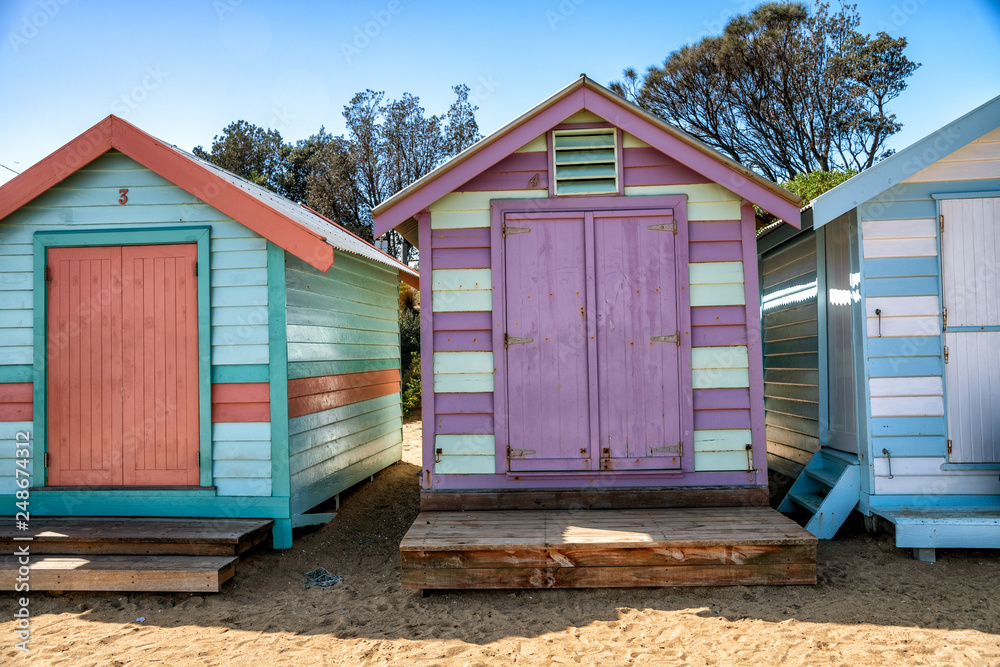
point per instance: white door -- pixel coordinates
(970, 250)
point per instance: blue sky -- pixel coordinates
(184, 69)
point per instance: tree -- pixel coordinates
(249, 151)
(783, 90)
(388, 145)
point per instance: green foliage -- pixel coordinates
(783, 90)
(249, 151)
(409, 347)
(411, 387)
(812, 185)
(388, 145)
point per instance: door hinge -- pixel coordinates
(46, 460)
(946, 354)
(668, 449)
(47, 274)
(664, 227)
(949, 448)
(941, 222)
(515, 340)
(674, 338)
(196, 268)
(519, 452)
(197, 458)
(944, 322)
(511, 230)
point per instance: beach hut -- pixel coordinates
(587, 344)
(881, 337)
(179, 342)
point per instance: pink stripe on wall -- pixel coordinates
(463, 341)
(460, 238)
(460, 258)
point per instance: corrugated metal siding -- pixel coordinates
(843, 296)
(970, 251)
(87, 201)
(343, 321)
(791, 359)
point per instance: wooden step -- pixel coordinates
(824, 476)
(809, 501)
(67, 536)
(166, 574)
(606, 548)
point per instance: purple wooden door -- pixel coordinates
(638, 361)
(548, 360)
(593, 362)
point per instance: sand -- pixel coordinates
(873, 605)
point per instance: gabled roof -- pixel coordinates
(299, 230)
(585, 94)
(907, 162)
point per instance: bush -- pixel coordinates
(411, 386)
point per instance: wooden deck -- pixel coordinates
(606, 548)
(129, 554)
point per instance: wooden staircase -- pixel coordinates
(828, 489)
(128, 554)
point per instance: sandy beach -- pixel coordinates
(873, 605)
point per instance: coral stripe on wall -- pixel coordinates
(15, 402)
(241, 402)
(314, 394)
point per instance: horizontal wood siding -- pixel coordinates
(976, 160)
(343, 368)
(241, 402)
(241, 458)
(88, 201)
(9, 441)
(16, 402)
(904, 354)
(791, 360)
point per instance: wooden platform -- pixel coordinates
(606, 548)
(129, 554)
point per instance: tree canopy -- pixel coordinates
(388, 145)
(784, 90)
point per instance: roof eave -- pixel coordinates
(897, 168)
(405, 203)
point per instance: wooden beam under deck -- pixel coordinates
(593, 499)
(599, 548)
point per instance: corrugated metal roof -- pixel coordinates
(331, 232)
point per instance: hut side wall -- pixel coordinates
(791, 353)
(86, 201)
(460, 452)
(345, 420)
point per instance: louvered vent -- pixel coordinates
(586, 161)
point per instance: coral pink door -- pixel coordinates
(123, 366)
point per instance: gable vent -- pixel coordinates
(586, 161)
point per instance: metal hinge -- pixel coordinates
(668, 449)
(941, 221)
(946, 354)
(515, 340)
(944, 323)
(674, 338)
(949, 448)
(664, 227)
(519, 452)
(196, 268)
(48, 274)
(46, 460)
(511, 230)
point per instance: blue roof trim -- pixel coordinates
(893, 170)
